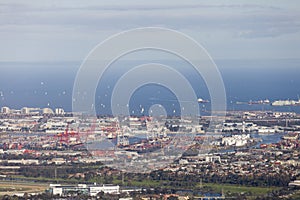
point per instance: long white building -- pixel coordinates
(91, 190)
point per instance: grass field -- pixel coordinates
(144, 183)
(11, 188)
(234, 189)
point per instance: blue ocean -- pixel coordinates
(50, 84)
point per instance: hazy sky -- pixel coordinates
(63, 31)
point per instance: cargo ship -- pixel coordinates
(265, 102)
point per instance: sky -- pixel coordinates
(242, 37)
(40, 31)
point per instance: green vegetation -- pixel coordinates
(229, 190)
(234, 189)
(159, 181)
(143, 183)
(294, 195)
(43, 179)
(12, 188)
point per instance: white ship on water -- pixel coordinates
(286, 103)
(274, 103)
(200, 100)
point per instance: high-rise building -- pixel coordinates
(59, 111)
(25, 110)
(47, 111)
(5, 110)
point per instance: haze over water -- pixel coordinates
(51, 84)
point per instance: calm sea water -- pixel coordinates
(51, 84)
